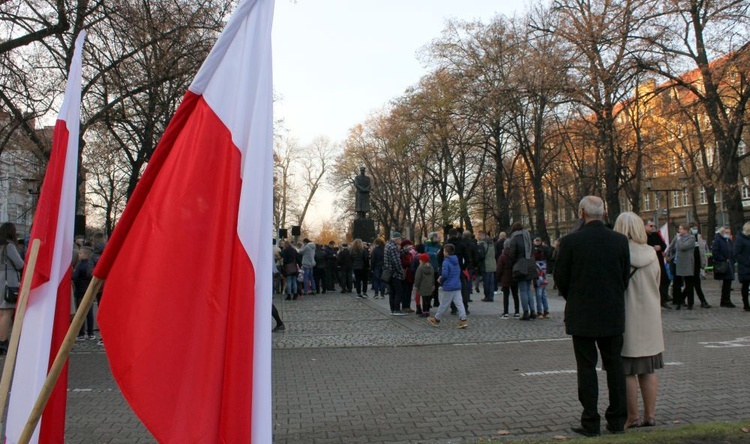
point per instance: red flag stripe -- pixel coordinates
(181, 385)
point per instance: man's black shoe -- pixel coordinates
(584, 432)
(614, 431)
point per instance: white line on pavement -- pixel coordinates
(739, 342)
(520, 341)
(567, 372)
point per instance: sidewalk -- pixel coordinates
(346, 371)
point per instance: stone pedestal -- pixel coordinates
(364, 229)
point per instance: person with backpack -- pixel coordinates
(520, 248)
(82, 275)
(487, 265)
(10, 278)
(424, 282)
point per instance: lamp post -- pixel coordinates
(666, 190)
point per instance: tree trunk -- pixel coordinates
(541, 221)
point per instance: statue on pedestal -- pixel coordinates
(362, 227)
(362, 194)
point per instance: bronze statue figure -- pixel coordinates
(362, 194)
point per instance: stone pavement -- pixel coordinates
(345, 371)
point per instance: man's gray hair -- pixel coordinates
(593, 206)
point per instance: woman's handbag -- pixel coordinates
(11, 293)
(290, 269)
(721, 267)
(524, 269)
(386, 276)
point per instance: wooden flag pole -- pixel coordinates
(15, 336)
(59, 363)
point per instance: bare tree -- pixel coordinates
(711, 37)
(605, 63)
(286, 153)
(315, 161)
(482, 57)
(106, 179)
(23, 26)
(145, 54)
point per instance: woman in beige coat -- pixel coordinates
(643, 339)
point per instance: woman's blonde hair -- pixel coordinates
(357, 245)
(631, 225)
(746, 229)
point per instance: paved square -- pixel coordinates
(345, 371)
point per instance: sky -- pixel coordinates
(338, 61)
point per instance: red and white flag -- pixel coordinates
(48, 311)
(664, 232)
(186, 310)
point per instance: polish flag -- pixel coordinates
(664, 232)
(186, 309)
(48, 310)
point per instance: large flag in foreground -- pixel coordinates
(48, 311)
(186, 310)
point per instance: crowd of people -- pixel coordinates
(615, 280)
(86, 253)
(411, 274)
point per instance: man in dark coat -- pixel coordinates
(654, 239)
(330, 271)
(344, 259)
(592, 273)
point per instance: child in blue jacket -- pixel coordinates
(451, 283)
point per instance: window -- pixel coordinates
(647, 201)
(704, 199)
(745, 192)
(717, 196)
(675, 199)
(741, 148)
(685, 197)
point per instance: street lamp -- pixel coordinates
(666, 190)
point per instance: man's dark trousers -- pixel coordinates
(610, 348)
(395, 290)
(664, 285)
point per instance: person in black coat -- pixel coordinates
(344, 260)
(290, 260)
(722, 250)
(330, 271)
(654, 239)
(592, 273)
(319, 272)
(742, 254)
